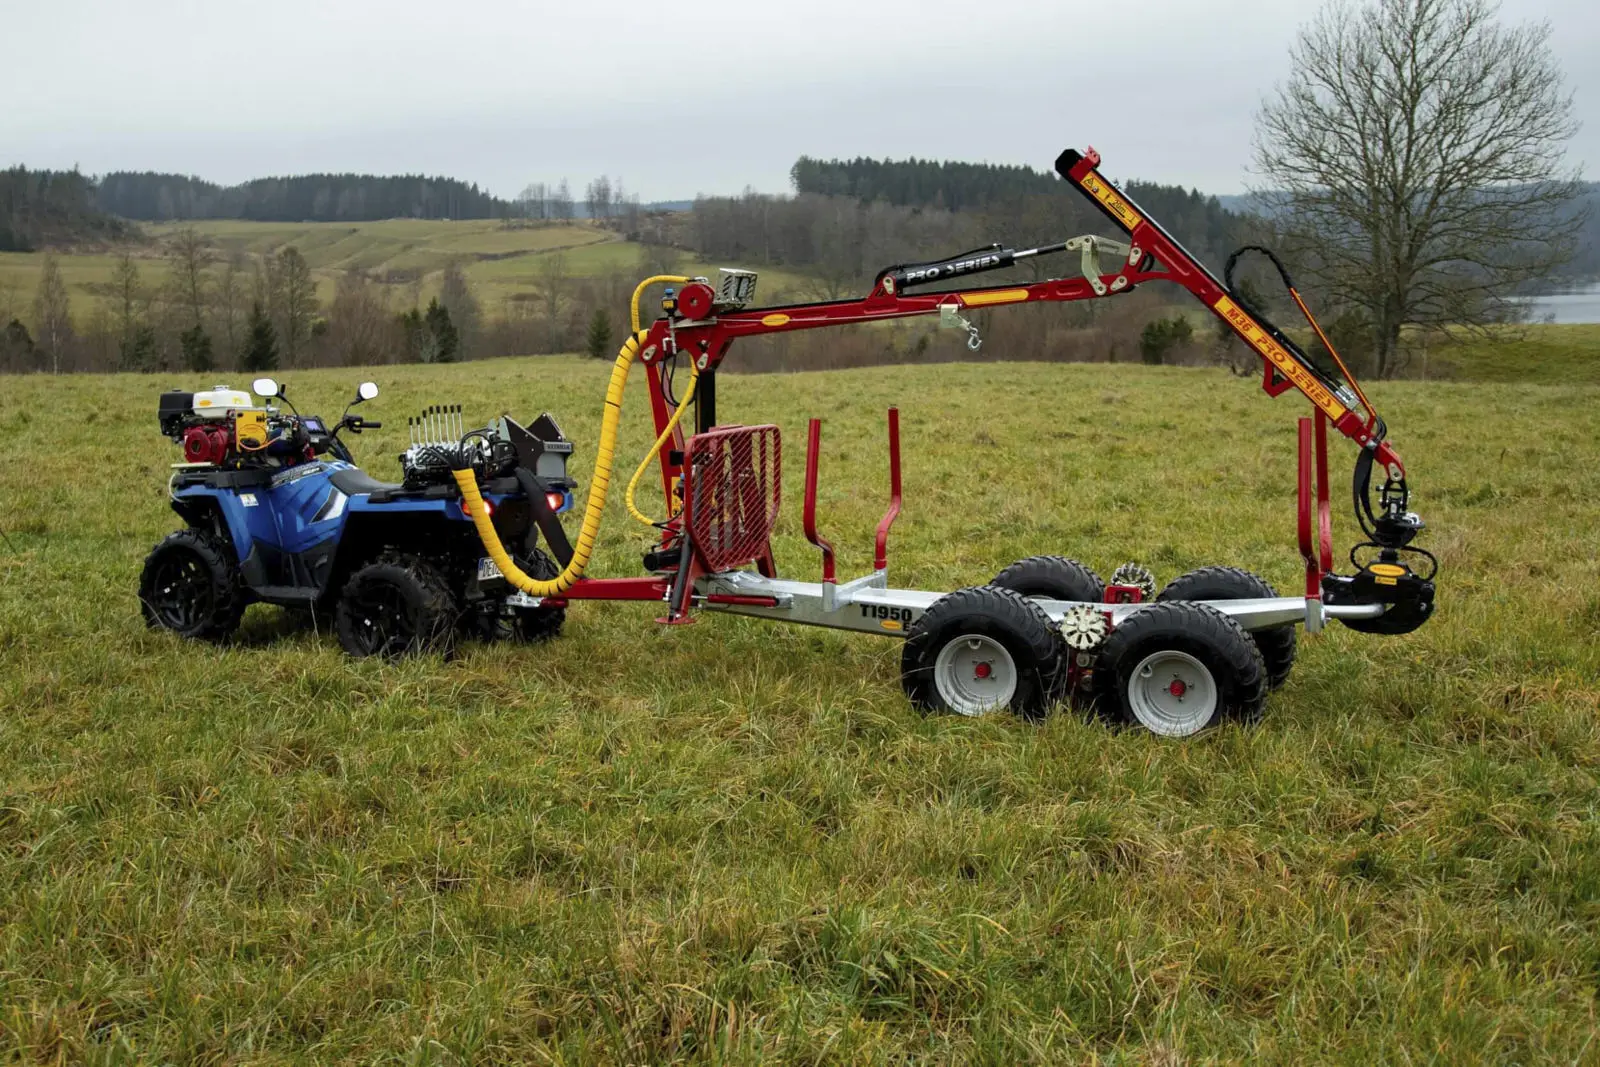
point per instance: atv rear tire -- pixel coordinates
(1052, 578)
(396, 606)
(1277, 645)
(190, 585)
(1178, 668)
(978, 650)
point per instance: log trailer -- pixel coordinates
(1046, 629)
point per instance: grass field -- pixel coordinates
(734, 841)
(499, 262)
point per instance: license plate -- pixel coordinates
(488, 570)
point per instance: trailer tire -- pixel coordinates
(1052, 578)
(397, 605)
(1177, 668)
(1277, 644)
(979, 649)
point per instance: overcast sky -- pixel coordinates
(676, 98)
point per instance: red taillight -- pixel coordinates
(488, 508)
(555, 500)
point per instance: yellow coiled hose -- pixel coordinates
(605, 454)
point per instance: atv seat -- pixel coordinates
(354, 482)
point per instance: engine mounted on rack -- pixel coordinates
(440, 443)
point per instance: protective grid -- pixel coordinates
(734, 476)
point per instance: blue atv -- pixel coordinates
(277, 512)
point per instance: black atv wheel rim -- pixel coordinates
(383, 621)
(181, 596)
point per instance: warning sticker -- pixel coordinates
(1120, 209)
(1279, 357)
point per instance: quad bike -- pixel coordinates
(276, 511)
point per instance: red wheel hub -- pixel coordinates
(982, 670)
(1177, 688)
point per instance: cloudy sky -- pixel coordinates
(676, 98)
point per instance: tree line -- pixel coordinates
(45, 207)
(152, 197)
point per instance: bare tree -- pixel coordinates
(553, 282)
(534, 201)
(52, 313)
(295, 302)
(360, 327)
(231, 299)
(190, 256)
(597, 198)
(561, 202)
(1416, 162)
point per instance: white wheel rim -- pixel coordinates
(1172, 694)
(975, 675)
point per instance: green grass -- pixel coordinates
(1543, 353)
(735, 841)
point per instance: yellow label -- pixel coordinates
(996, 296)
(1279, 357)
(204, 403)
(1387, 570)
(1387, 581)
(891, 624)
(775, 320)
(1120, 209)
(250, 428)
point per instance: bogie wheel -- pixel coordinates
(1277, 645)
(190, 585)
(1177, 668)
(395, 606)
(526, 624)
(1052, 578)
(981, 649)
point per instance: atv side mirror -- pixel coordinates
(366, 391)
(264, 387)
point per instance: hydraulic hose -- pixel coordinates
(655, 450)
(605, 453)
(657, 279)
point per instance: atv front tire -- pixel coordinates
(190, 585)
(398, 605)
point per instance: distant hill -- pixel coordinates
(42, 207)
(152, 197)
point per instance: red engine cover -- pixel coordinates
(695, 300)
(207, 444)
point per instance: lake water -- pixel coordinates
(1580, 306)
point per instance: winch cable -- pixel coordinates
(600, 483)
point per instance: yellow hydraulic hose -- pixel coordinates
(659, 279)
(655, 450)
(467, 480)
(605, 453)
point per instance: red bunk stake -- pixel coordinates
(880, 559)
(1316, 525)
(813, 451)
